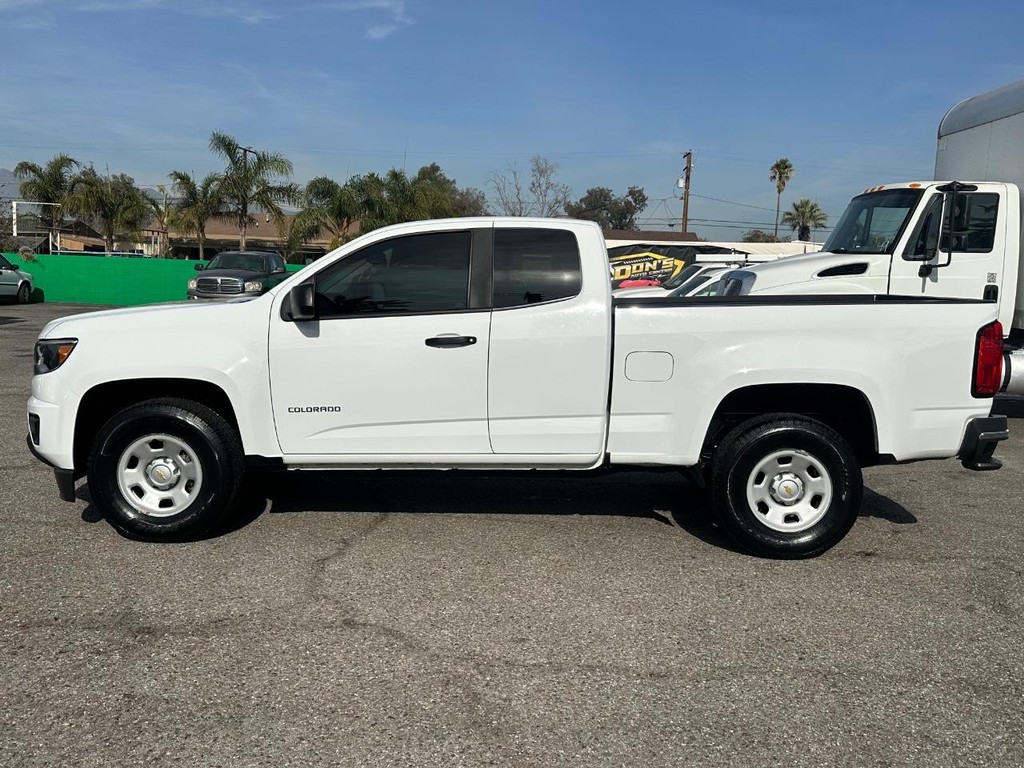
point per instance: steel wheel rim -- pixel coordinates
(159, 475)
(789, 491)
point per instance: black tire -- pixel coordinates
(166, 470)
(23, 294)
(785, 486)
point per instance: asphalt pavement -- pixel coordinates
(381, 619)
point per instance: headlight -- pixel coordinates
(254, 286)
(51, 353)
(192, 284)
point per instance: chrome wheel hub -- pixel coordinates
(159, 475)
(789, 491)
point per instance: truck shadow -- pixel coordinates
(666, 497)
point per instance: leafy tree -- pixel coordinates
(780, 173)
(611, 212)
(251, 181)
(804, 216)
(112, 205)
(758, 236)
(467, 201)
(8, 242)
(543, 195)
(196, 204)
(470, 201)
(50, 183)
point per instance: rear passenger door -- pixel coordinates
(550, 341)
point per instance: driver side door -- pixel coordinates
(394, 368)
(975, 268)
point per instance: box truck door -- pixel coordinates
(976, 267)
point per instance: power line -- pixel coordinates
(732, 202)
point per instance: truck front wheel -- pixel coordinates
(165, 469)
(786, 486)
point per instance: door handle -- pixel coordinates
(446, 341)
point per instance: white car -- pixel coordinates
(15, 284)
(686, 283)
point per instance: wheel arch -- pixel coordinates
(104, 400)
(845, 409)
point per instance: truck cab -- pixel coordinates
(895, 239)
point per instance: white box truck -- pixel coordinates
(895, 238)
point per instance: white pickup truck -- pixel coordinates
(495, 344)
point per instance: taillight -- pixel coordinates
(988, 361)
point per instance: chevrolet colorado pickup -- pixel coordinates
(495, 344)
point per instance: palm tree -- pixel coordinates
(196, 204)
(162, 210)
(804, 216)
(249, 182)
(328, 206)
(111, 204)
(394, 198)
(51, 184)
(780, 173)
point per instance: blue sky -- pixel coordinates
(613, 92)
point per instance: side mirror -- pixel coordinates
(199, 267)
(277, 270)
(300, 306)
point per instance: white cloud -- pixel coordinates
(388, 16)
(394, 11)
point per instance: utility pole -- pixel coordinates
(688, 156)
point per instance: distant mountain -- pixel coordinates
(9, 185)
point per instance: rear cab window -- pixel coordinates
(533, 266)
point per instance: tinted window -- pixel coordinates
(249, 262)
(4, 263)
(925, 239)
(535, 265)
(415, 274)
(974, 222)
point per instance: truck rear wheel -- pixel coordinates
(165, 469)
(786, 486)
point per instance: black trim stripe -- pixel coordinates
(833, 300)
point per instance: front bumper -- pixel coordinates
(980, 441)
(196, 296)
(65, 477)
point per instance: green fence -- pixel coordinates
(117, 280)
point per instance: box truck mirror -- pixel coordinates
(952, 238)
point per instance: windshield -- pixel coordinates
(695, 282)
(249, 262)
(684, 274)
(873, 222)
